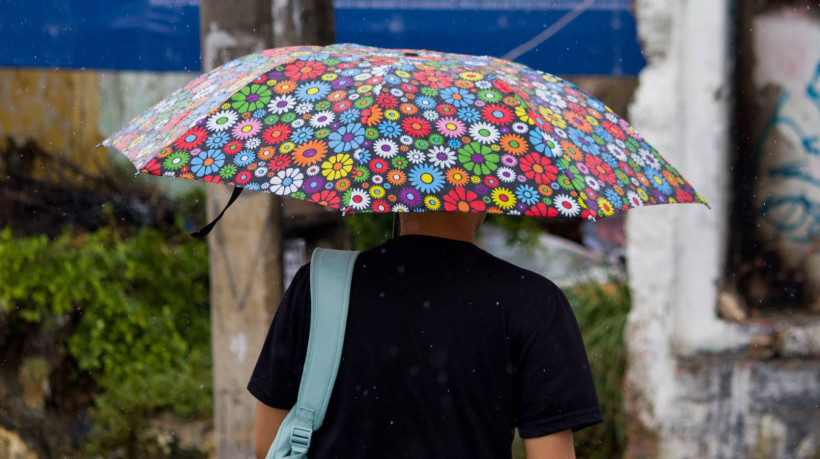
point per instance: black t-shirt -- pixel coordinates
(447, 349)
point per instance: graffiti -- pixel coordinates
(792, 208)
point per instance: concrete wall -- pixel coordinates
(698, 385)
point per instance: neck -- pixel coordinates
(461, 227)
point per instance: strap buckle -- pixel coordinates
(300, 439)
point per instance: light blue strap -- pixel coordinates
(330, 274)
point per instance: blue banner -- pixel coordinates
(566, 37)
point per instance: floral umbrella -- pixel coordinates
(364, 129)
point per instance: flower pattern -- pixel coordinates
(365, 129)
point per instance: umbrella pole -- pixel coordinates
(396, 225)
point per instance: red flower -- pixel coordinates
(461, 200)
(601, 169)
(539, 168)
(497, 114)
(279, 162)
(260, 79)
(342, 105)
(153, 167)
(232, 148)
(541, 210)
(614, 130)
(502, 86)
(212, 179)
(446, 110)
(374, 80)
(276, 134)
(191, 139)
(491, 181)
(378, 166)
(327, 198)
(304, 70)
(416, 126)
(387, 100)
(433, 79)
(682, 196)
(380, 205)
(409, 88)
(243, 177)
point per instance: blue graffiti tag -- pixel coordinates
(795, 216)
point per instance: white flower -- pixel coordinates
(415, 156)
(634, 199)
(313, 170)
(385, 148)
(282, 104)
(322, 119)
(399, 208)
(304, 107)
(252, 143)
(442, 157)
(505, 174)
(430, 115)
(566, 205)
(650, 159)
(484, 133)
(617, 152)
(359, 199)
(287, 181)
(592, 182)
(222, 120)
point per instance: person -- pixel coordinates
(447, 350)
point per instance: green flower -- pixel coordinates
(478, 159)
(436, 139)
(429, 92)
(322, 133)
(330, 61)
(322, 105)
(176, 160)
(361, 174)
(363, 102)
(489, 95)
(251, 98)
(399, 162)
(298, 195)
(288, 117)
(622, 177)
(421, 144)
(565, 182)
(227, 171)
(371, 133)
(271, 120)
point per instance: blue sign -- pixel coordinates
(565, 37)
(100, 34)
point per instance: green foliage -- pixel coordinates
(144, 328)
(368, 230)
(601, 310)
(519, 230)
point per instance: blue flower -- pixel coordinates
(207, 162)
(613, 197)
(609, 159)
(251, 186)
(469, 115)
(302, 135)
(259, 113)
(542, 143)
(425, 102)
(347, 138)
(583, 141)
(349, 115)
(312, 91)
(314, 57)
(217, 140)
(392, 79)
(658, 181)
(244, 157)
(454, 143)
(389, 129)
(457, 97)
(527, 194)
(426, 178)
(351, 72)
(363, 156)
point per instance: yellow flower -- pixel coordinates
(391, 114)
(377, 191)
(432, 202)
(503, 198)
(337, 166)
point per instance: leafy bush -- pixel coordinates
(144, 327)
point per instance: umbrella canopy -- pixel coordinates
(364, 129)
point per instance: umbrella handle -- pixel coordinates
(202, 232)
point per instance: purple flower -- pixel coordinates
(313, 184)
(410, 196)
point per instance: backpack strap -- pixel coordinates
(330, 274)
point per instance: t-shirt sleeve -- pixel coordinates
(555, 386)
(278, 372)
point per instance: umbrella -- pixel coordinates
(364, 129)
